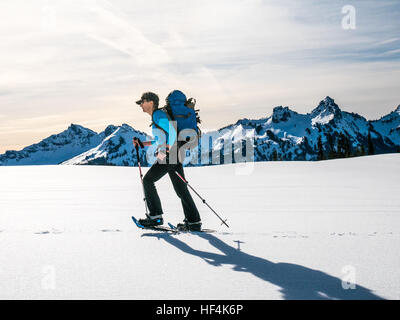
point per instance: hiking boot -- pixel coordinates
(151, 221)
(189, 226)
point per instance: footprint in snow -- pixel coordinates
(289, 235)
(53, 231)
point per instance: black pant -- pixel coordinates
(155, 173)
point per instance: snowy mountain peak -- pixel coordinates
(329, 100)
(109, 130)
(327, 105)
(326, 111)
(281, 114)
(398, 109)
(127, 127)
(54, 149)
(77, 129)
(115, 149)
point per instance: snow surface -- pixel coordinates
(302, 227)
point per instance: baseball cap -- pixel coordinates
(149, 96)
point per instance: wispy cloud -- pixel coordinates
(388, 41)
(392, 52)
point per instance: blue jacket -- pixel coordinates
(168, 133)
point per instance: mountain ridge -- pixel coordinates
(284, 135)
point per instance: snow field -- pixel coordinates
(304, 230)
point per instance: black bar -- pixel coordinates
(198, 309)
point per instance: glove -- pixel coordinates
(137, 142)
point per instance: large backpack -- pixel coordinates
(181, 110)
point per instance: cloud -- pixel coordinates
(388, 41)
(122, 35)
(392, 52)
(85, 61)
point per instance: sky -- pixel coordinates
(87, 61)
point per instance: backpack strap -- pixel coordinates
(183, 115)
(153, 122)
(168, 110)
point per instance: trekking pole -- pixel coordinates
(140, 172)
(204, 201)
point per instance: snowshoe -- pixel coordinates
(151, 221)
(189, 226)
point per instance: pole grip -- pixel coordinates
(140, 142)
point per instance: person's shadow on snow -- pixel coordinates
(296, 282)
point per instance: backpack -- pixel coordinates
(181, 110)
